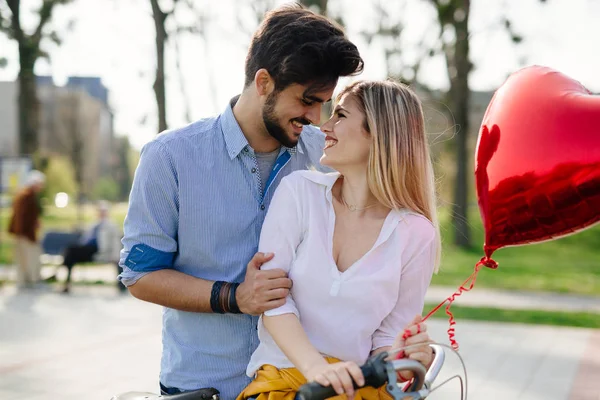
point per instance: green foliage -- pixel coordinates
(6, 249)
(106, 189)
(537, 317)
(568, 265)
(127, 159)
(60, 177)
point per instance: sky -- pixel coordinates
(114, 39)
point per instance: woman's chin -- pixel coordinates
(327, 161)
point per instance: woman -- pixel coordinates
(360, 246)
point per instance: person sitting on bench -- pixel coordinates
(102, 243)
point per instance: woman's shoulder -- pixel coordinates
(419, 227)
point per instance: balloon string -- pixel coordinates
(485, 261)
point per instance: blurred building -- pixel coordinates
(9, 122)
(75, 122)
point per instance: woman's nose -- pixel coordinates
(326, 127)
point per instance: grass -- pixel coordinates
(566, 265)
(536, 317)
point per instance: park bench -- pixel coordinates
(54, 244)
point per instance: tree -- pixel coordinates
(122, 168)
(60, 177)
(160, 15)
(71, 122)
(106, 189)
(319, 6)
(453, 15)
(29, 52)
(453, 19)
(160, 18)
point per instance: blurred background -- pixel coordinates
(85, 84)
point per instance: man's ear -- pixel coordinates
(264, 82)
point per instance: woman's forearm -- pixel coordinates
(293, 341)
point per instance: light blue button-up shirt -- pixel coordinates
(197, 206)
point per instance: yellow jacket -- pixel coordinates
(282, 384)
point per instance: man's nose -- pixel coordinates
(314, 114)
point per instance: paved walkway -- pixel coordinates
(97, 342)
(483, 297)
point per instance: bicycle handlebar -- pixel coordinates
(378, 371)
(373, 370)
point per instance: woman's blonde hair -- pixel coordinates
(400, 170)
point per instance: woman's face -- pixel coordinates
(347, 143)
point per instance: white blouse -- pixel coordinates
(345, 314)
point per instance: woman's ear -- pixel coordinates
(264, 82)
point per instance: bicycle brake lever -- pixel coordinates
(393, 388)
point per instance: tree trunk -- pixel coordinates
(77, 145)
(459, 94)
(159, 81)
(28, 101)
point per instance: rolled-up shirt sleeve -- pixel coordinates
(150, 229)
(281, 234)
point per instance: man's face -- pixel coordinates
(287, 111)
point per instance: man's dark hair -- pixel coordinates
(298, 46)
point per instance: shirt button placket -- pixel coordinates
(335, 288)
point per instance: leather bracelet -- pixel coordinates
(224, 297)
(233, 306)
(215, 293)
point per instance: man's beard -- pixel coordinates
(272, 124)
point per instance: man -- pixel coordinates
(24, 224)
(200, 195)
(100, 243)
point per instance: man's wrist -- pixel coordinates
(233, 305)
(223, 299)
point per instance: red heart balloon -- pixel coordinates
(537, 166)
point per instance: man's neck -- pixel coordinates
(248, 114)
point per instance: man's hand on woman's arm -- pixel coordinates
(260, 291)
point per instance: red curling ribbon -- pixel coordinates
(484, 262)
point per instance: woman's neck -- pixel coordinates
(355, 195)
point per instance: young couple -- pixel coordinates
(344, 258)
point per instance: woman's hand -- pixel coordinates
(415, 334)
(339, 375)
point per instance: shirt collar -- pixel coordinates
(235, 141)
(329, 179)
(325, 179)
